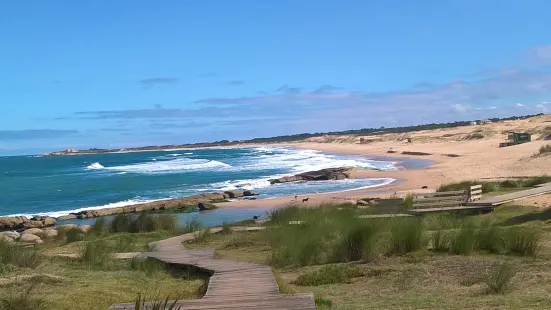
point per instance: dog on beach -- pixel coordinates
(305, 200)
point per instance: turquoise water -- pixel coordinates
(31, 185)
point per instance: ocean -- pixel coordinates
(35, 185)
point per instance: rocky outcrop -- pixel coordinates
(319, 175)
(22, 222)
(234, 194)
(203, 206)
(10, 234)
(30, 238)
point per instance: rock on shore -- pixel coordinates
(22, 222)
(319, 175)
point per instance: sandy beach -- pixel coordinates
(462, 153)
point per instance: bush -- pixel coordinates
(156, 304)
(97, 254)
(440, 241)
(498, 279)
(18, 256)
(462, 240)
(100, 227)
(489, 238)
(408, 202)
(23, 301)
(322, 303)
(120, 223)
(192, 225)
(522, 241)
(359, 242)
(330, 275)
(149, 266)
(406, 236)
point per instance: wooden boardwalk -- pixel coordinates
(233, 284)
(505, 198)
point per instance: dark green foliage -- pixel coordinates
(329, 275)
(462, 240)
(357, 243)
(100, 227)
(408, 202)
(489, 238)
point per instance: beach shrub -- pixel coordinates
(408, 202)
(498, 279)
(489, 238)
(97, 254)
(23, 300)
(149, 266)
(120, 223)
(156, 303)
(99, 228)
(440, 241)
(358, 242)
(522, 241)
(406, 235)
(191, 226)
(462, 240)
(322, 303)
(11, 254)
(329, 275)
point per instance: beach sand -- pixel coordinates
(457, 154)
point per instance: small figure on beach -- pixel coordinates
(296, 197)
(305, 200)
(256, 217)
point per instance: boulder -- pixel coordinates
(318, 175)
(12, 222)
(67, 227)
(33, 231)
(67, 217)
(84, 228)
(362, 203)
(234, 194)
(46, 220)
(203, 206)
(30, 238)
(215, 196)
(11, 234)
(249, 193)
(49, 233)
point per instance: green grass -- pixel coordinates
(144, 222)
(494, 186)
(523, 241)
(330, 274)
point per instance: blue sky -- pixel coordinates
(119, 73)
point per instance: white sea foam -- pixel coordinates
(189, 153)
(95, 166)
(174, 155)
(118, 204)
(166, 166)
(298, 161)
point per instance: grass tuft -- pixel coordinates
(498, 279)
(97, 254)
(24, 300)
(406, 236)
(330, 275)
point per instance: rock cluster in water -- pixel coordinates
(22, 222)
(318, 175)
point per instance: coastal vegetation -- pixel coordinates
(40, 278)
(496, 186)
(448, 261)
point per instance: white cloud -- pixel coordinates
(519, 105)
(461, 108)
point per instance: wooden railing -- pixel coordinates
(447, 199)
